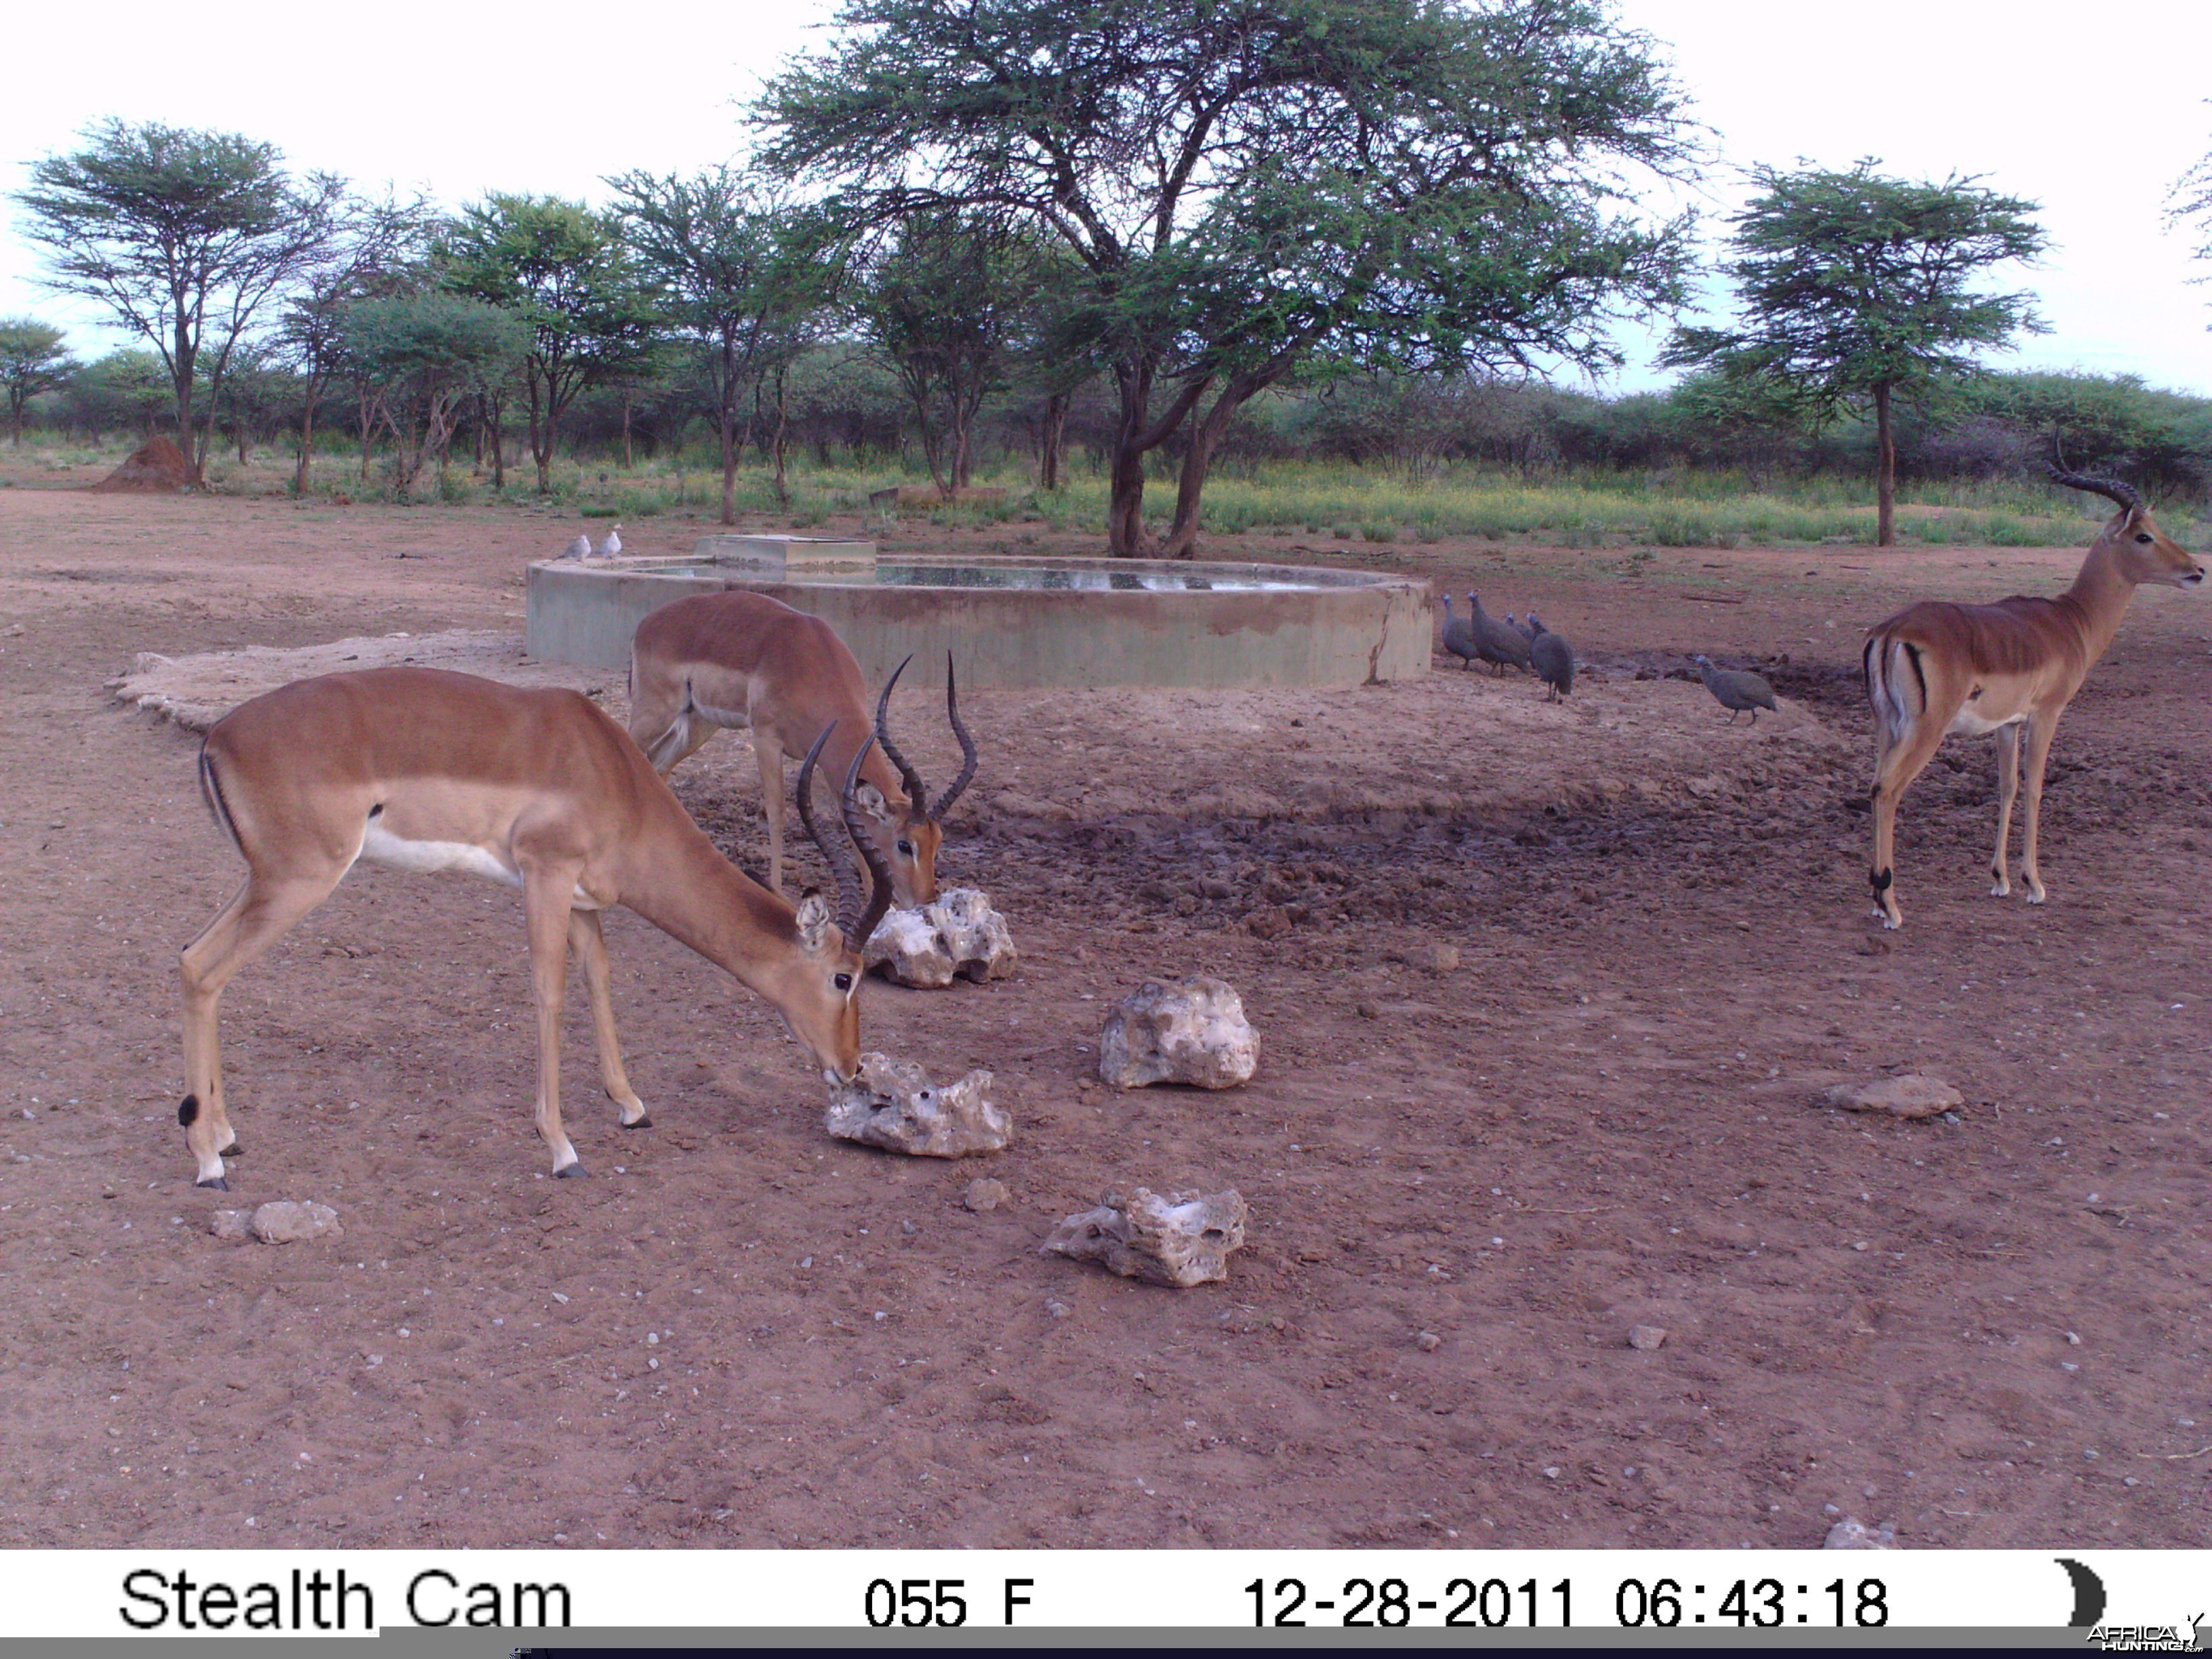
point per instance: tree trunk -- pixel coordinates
(1182, 535)
(1885, 477)
(181, 367)
(783, 494)
(498, 421)
(307, 440)
(541, 438)
(367, 432)
(1049, 439)
(729, 447)
(628, 464)
(1132, 440)
(244, 433)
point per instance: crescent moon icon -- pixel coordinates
(2088, 1593)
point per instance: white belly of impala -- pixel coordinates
(1971, 725)
(380, 846)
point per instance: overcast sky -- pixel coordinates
(2092, 111)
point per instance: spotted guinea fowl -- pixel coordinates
(1552, 657)
(1735, 689)
(1495, 641)
(1459, 638)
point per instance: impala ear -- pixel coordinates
(870, 799)
(814, 923)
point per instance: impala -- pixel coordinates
(735, 659)
(419, 770)
(2011, 668)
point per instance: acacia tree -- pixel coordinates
(1856, 291)
(739, 272)
(32, 360)
(945, 304)
(423, 357)
(563, 270)
(376, 246)
(1248, 184)
(184, 235)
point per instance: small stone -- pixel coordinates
(1192, 1033)
(1271, 922)
(283, 1221)
(1057, 1309)
(1428, 1342)
(1911, 1096)
(230, 1223)
(1849, 1534)
(1368, 1008)
(1646, 1337)
(893, 1105)
(1182, 1239)
(984, 1193)
(1438, 958)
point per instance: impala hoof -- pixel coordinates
(2001, 890)
(234, 1150)
(2035, 898)
(573, 1172)
(642, 1121)
(215, 1181)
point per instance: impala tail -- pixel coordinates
(211, 793)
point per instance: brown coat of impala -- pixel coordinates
(419, 770)
(736, 659)
(2011, 668)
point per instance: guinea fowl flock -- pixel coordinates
(1509, 643)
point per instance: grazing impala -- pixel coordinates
(1935, 668)
(419, 770)
(735, 659)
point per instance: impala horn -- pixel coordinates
(2110, 489)
(840, 870)
(967, 746)
(916, 791)
(879, 869)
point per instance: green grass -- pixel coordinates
(1309, 502)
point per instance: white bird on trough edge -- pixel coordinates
(612, 546)
(580, 548)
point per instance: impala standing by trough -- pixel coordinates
(1935, 668)
(735, 659)
(420, 770)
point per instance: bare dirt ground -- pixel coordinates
(1993, 1332)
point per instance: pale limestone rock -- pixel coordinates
(283, 1221)
(1646, 1337)
(893, 1104)
(959, 936)
(1182, 1239)
(1194, 1033)
(1851, 1534)
(1912, 1096)
(230, 1223)
(984, 1193)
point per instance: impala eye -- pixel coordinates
(906, 847)
(842, 981)
(2145, 540)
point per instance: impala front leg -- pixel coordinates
(770, 755)
(2042, 728)
(546, 894)
(2008, 787)
(590, 945)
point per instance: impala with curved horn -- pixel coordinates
(2011, 668)
(420, 770)
(737, 659)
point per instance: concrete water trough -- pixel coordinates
(1015, 620)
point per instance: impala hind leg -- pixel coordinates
(2041, 729)
(770, 755)
(257, 916)
(590, 945)
(545, 895)
(1901, 761)
(2007, 789)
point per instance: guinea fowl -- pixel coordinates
(1459, 638)
(1495, 641)
(1552, 657)
(1735, 689)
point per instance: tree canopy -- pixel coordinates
(33, 359)
(1854, 289)
(1248, 184)
(182, 235)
